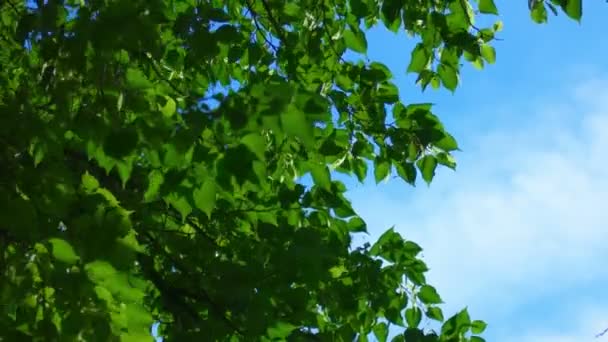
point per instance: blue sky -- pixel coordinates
(518, 233)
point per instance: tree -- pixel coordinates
(153, 154)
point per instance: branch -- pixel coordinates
(178, 293)
(255, 15)
(274, 22)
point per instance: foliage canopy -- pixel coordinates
(152, 161)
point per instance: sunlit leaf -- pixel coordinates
(169, 108)
(428, 295)
(573, 8)
(381, 169)
(427, 166)
(63, 251)
(205, 196)
(356, 224)
(435, 313)
(488, 53)
(136, 79)
(413, 316)
(487, 6)
(381, 332)
(355, 40)
(419, 59)
(186, 166)
(478, 327)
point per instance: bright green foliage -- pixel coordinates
(152, 157)
(572, 8)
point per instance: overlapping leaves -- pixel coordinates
(154, 155)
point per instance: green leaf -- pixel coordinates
(360, 168)
(136, 79)
(419, 59)
(387, 93)
(391, 10)
(38, 151)
(120, 101)
(205, 196)
(356, 225)
(428, 295)
(178, 201)
(457, 323)
(355, 40)
(488, 7)
(381, 72)
(294, 123)
(573, 8)
(255, 142)
(382, 168)
(63, 251)
(488, 53)
(169, 108)
(89, 183)
(124, 168)
(407, 172)
(281, 330)
(413, 316)
(427, 166)
(447, 143)
(99, 271)
(478, 327)
(448, 76)
(539, 12)
(446, 159)
(155, 180)
(320, 175)
(498, 25)
(435, 313)
(380, 330)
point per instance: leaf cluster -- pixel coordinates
(152, 162)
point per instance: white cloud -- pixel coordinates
(524, 217)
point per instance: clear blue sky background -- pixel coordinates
(519, 232)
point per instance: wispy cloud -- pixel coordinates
(521, 229)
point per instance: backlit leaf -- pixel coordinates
(381, 169)
(427, 166)
(186, 166)
(355, 40)
(435, 313)
(356, 224)
(169, 108)
(428, 295)
(255, 142)
(320, 175)
(205, 196)
(573, 8)
(419, 59)
(381, 331)
(63, 251)
(487, 6)
(413, 316)
(488, 53)
(136, 79)
(478, 327)
(448, 76)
